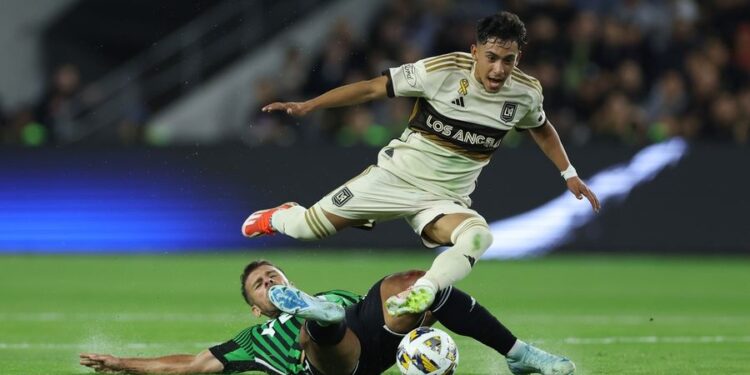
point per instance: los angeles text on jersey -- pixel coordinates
(462, 135)
(470, 139)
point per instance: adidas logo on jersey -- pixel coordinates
(459, 102)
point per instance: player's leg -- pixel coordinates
(366, 343)
(296, 221)
(470, 237)
(391, 286)
(456, 310)
(330, 346)
(462, 314)
(373, 195)
(340, 358)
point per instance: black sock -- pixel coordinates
(462, 314)
(326, 335)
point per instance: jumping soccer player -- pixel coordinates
(465, 105)
(336, 333)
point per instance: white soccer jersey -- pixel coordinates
(456, 125)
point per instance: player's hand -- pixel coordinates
(102, 363)
(291, 108)
(580, 190)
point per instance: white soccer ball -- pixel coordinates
(427, 351)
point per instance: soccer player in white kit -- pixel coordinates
(465, 104)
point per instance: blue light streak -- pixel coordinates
(546, 227)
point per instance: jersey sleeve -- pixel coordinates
(535, 117)
(408, 80)
(236, 354)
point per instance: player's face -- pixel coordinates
(257, 285)
(495, 62)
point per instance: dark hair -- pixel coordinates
(505, 26)
(246, 273)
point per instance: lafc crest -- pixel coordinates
(342, 196)
(509, 111)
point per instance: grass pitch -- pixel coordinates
(611, 315)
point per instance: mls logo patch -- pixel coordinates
(342, 196)
(410, 75)
(509, 111)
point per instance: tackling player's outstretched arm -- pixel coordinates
(202, 363)
(547, 139)
(355, 93)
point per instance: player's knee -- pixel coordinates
(408, 278)
(474, 235)
(475, 227)
(483, 237)
(398, 282)
(404, 278)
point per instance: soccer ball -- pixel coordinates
(427, 351)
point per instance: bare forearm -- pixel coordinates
(548, 140)
(203, 363)
(172, 364)
(352, 94)
(355, 93)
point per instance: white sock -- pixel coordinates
(517, 350)
(302, 224)
(426, 283)
(471, 239)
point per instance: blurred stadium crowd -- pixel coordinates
(627, 71)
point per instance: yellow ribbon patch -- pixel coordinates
(463, 90)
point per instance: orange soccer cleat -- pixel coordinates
(259, 223)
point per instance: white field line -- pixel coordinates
(567, 340)
(657, 340)
(124, 317)
(590, 319)
(90, 347)
(239, 317)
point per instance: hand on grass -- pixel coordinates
(101, 363)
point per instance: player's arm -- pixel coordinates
(202, 363)
(351, 94)
(547, 139)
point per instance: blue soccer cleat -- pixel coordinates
(532, 360)
(298, 303)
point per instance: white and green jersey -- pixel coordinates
(273, 347)
(456, 125)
